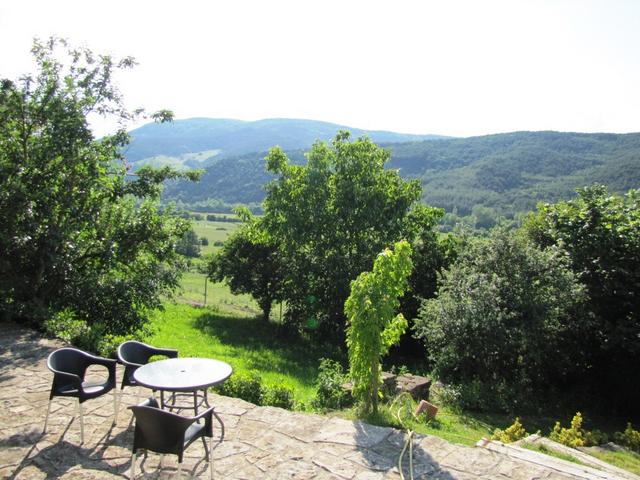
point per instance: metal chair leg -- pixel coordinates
(81, 422)
(211, 457)
(115, 406)
(133, 465)
(179, 474)
(46, 419)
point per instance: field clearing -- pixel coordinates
(214, 232)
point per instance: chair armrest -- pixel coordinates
(106, 362)
(208, 411)
(208, 420)
(129, 364)
(73, 378)
(167, 352)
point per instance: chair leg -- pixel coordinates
(46, 419)
(81, 421)
(115, 406)
(133, 465)
(179, 474)
(211, 457)
(161, 461)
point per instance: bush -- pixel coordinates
(498, 327)
(330, 395)
(571, 437)
(65, 326)
(245, 386)
(278, 396)
(511, 434)
(630, 438)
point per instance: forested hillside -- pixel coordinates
(196, 142)
(503, 173)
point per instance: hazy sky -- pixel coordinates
(450, 67)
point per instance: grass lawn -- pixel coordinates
(218, 295)
(245, 342)
(624, 459)
(214, 232)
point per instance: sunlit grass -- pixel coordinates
(624, 459)
(213, 232)
(551, 452)
(247, 343)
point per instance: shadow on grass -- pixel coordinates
(265, 346)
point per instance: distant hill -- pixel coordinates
(507, 173)
(185, 143)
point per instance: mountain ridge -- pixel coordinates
(508, 173)
(238, 137)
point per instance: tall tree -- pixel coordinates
(249, 263)
(601, 233)
(71, 236)
(331, 217)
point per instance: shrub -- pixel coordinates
(245, 386)
(630, 438)
(67, 327)
(511, 434)
(498, 326)
(330, 395)
(278, 396)
(218, 243)
(571, 437)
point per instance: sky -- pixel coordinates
(459, 68)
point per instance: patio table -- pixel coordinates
(183, 376)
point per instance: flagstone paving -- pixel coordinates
(259, 442)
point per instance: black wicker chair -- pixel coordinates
(134, 354)
(69, 366)
(164, 432)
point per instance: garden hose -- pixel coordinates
(408, 442)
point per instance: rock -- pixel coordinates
(415, 385)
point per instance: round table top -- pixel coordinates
(182, 374)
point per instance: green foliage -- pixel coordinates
(250, 263)
(499, 326)
(573, 436)
(510, 434)
(373, 326)
(278, 396)
(247, 386)
(330, 218)
(601, 234)
(65, 326)
(189, 244)
(630, 438)
(330, 394)
(71, 235)
(503, 175)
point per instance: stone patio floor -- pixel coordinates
(259, 442)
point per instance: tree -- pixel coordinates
(249, 264)
(601, 234)
(330, 218)
(501, 322)
(189, 244)
(372, 324)
(71, 236)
